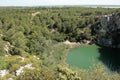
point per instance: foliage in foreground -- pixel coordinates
(61, 72)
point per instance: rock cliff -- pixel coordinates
(107, 30)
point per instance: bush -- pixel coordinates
(37, 74)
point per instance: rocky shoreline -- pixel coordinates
(76, 44)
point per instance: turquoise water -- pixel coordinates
(85, 56)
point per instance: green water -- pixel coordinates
(85, 56)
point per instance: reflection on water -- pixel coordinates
(85, 56)
(110, 57)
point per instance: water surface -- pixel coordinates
(85, 56)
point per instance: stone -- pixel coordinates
(10, 79)
(111, 25)
(3, 73)
(21, 69)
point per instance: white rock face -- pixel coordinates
(29, 66)
(35, 13)
(3, 73)
(6, 48)
(10, 79)
(20, 70)
(36, 57)
(1, 35)
(22, 58)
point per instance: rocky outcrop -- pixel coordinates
(72, 44)
(107, 31)
(35, 13)
(3, 72)
(21, 69)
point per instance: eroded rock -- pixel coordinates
(3, 73)
(108, 30)
(21, 69)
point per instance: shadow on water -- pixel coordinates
(110, 57)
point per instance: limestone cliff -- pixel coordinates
(107, 30)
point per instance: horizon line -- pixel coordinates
(84, 5)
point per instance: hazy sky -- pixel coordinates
(57, 2)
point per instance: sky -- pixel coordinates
(57, 2)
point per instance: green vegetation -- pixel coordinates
(37, 35)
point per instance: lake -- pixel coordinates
(85, 56)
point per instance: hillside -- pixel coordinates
(32, 42)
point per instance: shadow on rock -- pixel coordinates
(110, 57)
